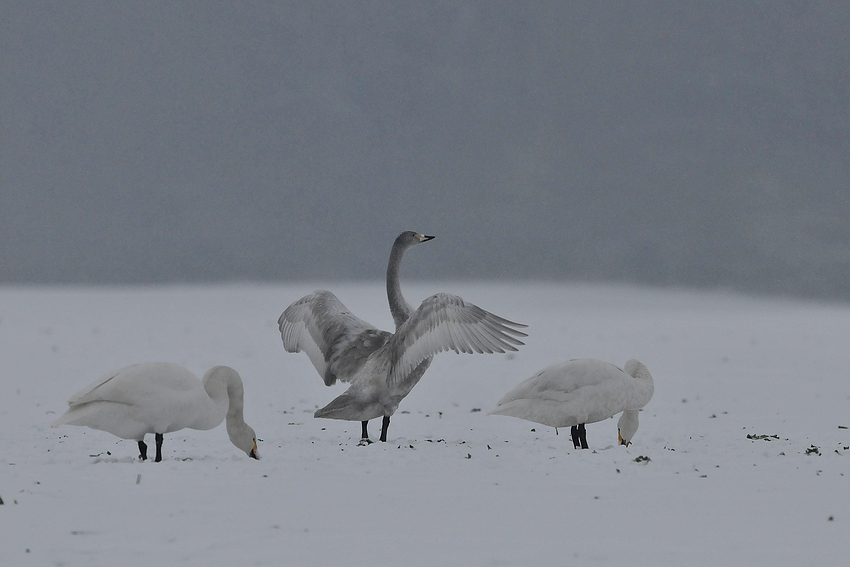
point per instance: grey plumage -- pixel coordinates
(383, 367)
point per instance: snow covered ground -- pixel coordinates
(742, 456)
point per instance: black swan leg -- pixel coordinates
(582, 434)
(574, 434)
(364, 433)
(384, 426)
(143, 450)
(158, 447)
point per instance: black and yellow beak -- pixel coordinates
(254, 454)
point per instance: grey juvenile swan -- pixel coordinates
(383, 367)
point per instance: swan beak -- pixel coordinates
(424, 238)
(622, 442)
(254, 454)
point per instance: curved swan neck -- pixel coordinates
(236, 393)
(629, 418)
(226, 379)
(399, 308)
(644, 386)
(224, 388)
(218, 400)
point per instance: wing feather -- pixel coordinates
(446, 322)
(336, 341)
(99, 390)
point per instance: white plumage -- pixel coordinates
(582, 391)
(161, 397)
(383, 367)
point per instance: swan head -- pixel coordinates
(409, 238)
(245, 439)
(627, 427)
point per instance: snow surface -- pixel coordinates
(452, 486)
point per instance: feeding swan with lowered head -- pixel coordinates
(383, 367)
(582, 391)
(161, 397)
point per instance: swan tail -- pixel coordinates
(349, 408)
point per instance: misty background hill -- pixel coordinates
(661, 143)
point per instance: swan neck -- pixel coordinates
(236, 395)
(399, 308)
(226, 393)
(235, 422)
(643, 389)
(630, 415)
(218, 403)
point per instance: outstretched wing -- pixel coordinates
(337, 342)
(446, 322)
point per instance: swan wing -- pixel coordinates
(561, 380)
(152, 397)
(138, 383)
(446, 322)
(573, 392)
(99, 390)
(336, 341)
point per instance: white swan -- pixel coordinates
(383, 367)
(160, 397)
(582, 391)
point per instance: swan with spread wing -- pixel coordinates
(383, 367)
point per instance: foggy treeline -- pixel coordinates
(662, 143)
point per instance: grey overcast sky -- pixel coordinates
(665, 143)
